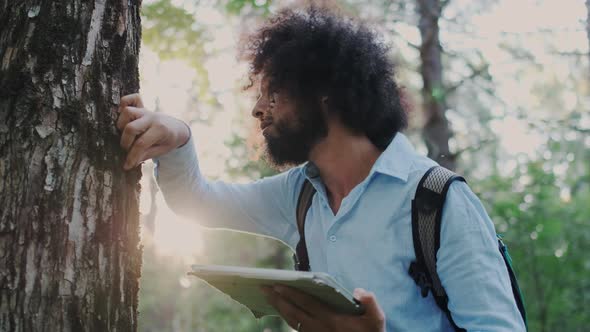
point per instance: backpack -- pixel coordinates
(427, 207)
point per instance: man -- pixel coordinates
(328, 103)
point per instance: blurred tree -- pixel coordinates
(444, 76)
(554, 286)
(169, 300)
(536, 200)
(70, 257)
(436, 131)
(549, 235)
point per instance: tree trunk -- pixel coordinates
(436, 130)
(69, 236)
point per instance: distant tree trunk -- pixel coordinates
(69, 238)
(436, 130)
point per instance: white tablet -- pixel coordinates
(243, 285)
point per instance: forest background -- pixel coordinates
(515, 97)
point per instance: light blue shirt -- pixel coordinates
(368, 243)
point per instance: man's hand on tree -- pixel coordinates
(146, 134)
(310, 315)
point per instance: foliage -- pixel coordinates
(548, 233)
(539, 200)
(173, 33)
(172, 301)
(242, 7)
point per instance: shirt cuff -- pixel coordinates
(190, 134)
(177, 161)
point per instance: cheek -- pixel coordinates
(285, 110)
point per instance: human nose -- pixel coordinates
(257, 110)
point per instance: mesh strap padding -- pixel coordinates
(427, 208)
(429, 216)
(437, 179)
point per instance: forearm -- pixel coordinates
(261, 207)
(179, 178)
(471, 268)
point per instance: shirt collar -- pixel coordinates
(310, 170)
(395, 161)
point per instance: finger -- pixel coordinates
(132, 130)
(133, 99)
(154, 151)
(273, 298)
(358, 292)
(308, 303)
(290, 313)
(129, 114)
(140, 147)
(369, 301)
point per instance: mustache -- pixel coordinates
(265, 122)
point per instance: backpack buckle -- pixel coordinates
(418, 273)
(296, 263)
(427, 201)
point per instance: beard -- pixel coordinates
(295, 138)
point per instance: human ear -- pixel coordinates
(324, 104)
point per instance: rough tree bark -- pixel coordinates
(436, 130)
(69, 236)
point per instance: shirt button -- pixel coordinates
(333, 238)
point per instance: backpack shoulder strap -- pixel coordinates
(427, 208)
(516, 292)
(301, 257)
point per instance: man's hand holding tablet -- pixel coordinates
(308, 301)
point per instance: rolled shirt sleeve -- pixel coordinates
(471, 268)
(265, 207)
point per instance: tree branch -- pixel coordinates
(476, 72)
(574, 54)
(472, 147)
(409, 43)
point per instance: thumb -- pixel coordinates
(369, 302)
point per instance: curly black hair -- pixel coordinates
(315, 52)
